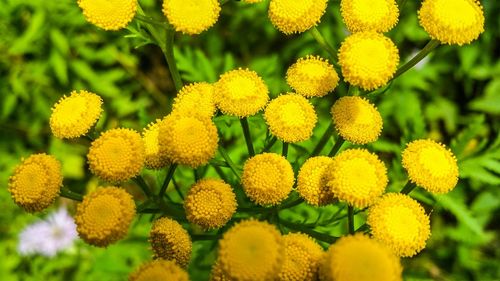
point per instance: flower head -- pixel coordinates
(159, 270)
(359, 258)
(267, 178)
(251, 250)
(312, 76)
(73, 116)
(356, 119)
(191, 16)
(36, 182)
(110, 14)
(302, 258)
(217, 273)
(399, 222)
(153, 159)
(452, 21)
(104, 216)
(296, 16)
(210, 203)
(368, 60)
(170, 241)
(369, 15)
(241, 93)
(357, 177)
(117, 155)
(195, 99)
(291, 118)
(430, 165)
(312, 179)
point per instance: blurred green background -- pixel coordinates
(47, 49)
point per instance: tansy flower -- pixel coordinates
(159, 270)
(217, 273)
(312, 76)
(188, 140)
(301, 258)
(267, 178)
(109, 14)
(153, 158)
(296, 16)
(369, 15)
(291, 118)
(191, 16)
(73, 116)
(311, 181)
(359, 258)
(170, 241)
(210, 203)
(357, 177)
(195, 99)
(241, 93)
(36, 182)
(452, 21)
(430, 165)
(399, 222)
(117, 155)
(368, 60)
(104, 216)
(251, 250)
(356, 120)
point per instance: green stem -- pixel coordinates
(337, 146)
(177, 189)
(142, 184)
(350, 219)
(322, 142)
(270, 144)
(248, 137)
(168, 177)
(409, 186)
(230, 162)
(311, 232)
(417, 58)
(168, 51)
(66, 193)
(322, 42)
(284, 150)
(149, 20)
(292, 204)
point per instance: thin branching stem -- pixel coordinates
(248, 136)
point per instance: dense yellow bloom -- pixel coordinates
(104, 216)
(210, 203)
(312, 76)
(452, 21)
(217, 273)
(241, 93)
(399, 222)
(359, 258)
(36, 182)
(291, 118)
(431, 165)
(296, 16)
(356, 119)
(188, 140)
(159, 270)
(191, 16)
(170, 241)
(368, 60)
(267, 178)
(251, 250)
(153, 158)
(302, 258)
(312, 179)
(109, 14)
(195, 99)
(369, 15)
(117, 155)
(73, 116)
(357, 177)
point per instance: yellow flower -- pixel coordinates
(117, 155)
(104, 216)
(357, 177)
(191, 16)
(170, 241)
(36, 182)
(73, 116)
(369, 15)
(210, 203)
(241, 93)
(153, 158)
(302, 258)
(312, 179)
(291, 118)
(296, 16)
(312, 76)
(267, 178)
(251, 250)
(195, 99)
(431, 165)
(399, 222)
(159, 270)
(368, 60)
(109, 14)
(217, 273)
(359, 258)
(356, 120)
(452, 21)
(188, 140)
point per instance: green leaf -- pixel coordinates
(457, 208)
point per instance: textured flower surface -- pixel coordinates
(312, 76)
(159, 270)
(369, 15)
(153, 159)
(170, 241)
(312, 179)
(195, 99)
(302, 258)
(191, 16)
(296, 16)
(109, 14)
